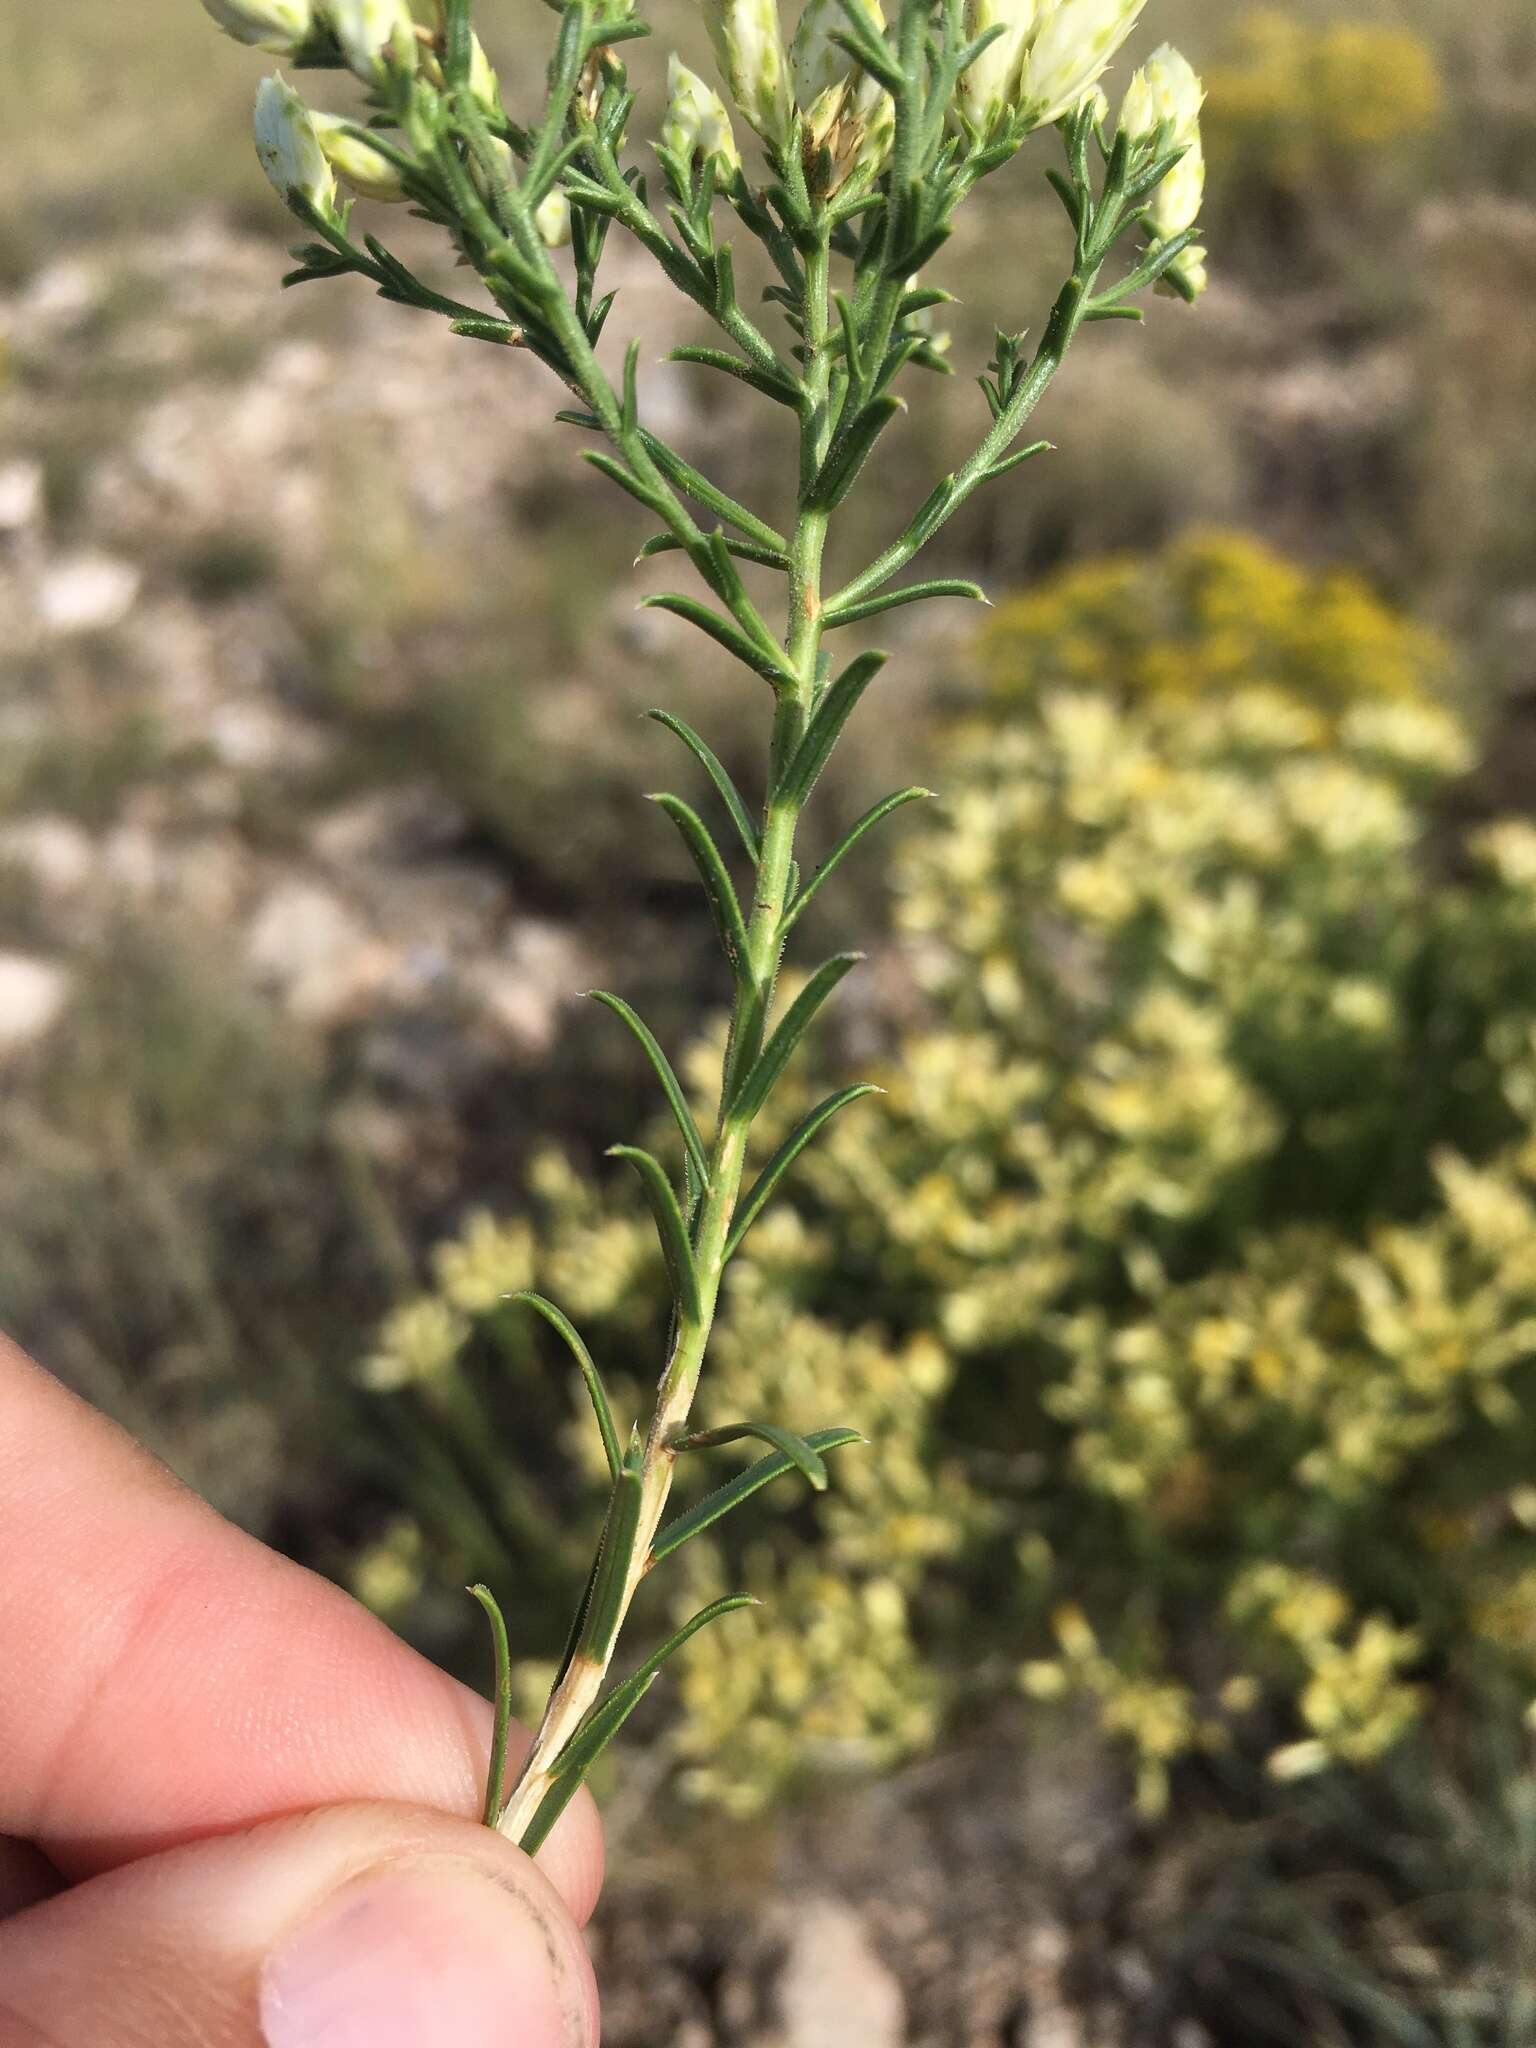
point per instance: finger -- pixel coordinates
(26, 1876)
(163, 1676)
(355, 1927)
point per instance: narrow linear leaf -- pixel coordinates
(615, 1555)
(743, 550)
(806, 1461)
(486, 327)
(709, 1510)
(851, 450)
(710, 762)
(726, 635)
(670, 1228)
(910, 593)
(712, 873)
(698, 486)
(562, 1323)
(496, 1776)
(670, 1085)
(616, 472)
(736, 366)
(775, 1055)
(785, 1157)
(872, 817)
(831, 715)
(605, 1721)
(1006, 462)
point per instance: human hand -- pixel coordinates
(233, 1807)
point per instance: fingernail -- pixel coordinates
(424, 1958)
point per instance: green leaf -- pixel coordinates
(605, 1721)
(712, 873)
(910, 593)
(850, 840)
(851, 450)
(714, 1505)
(621, 1529)
(735, 366)
(1006, 462)
(774, 1057)
(496, 1776)
(806, 1461)
(726, 635)
(620, 474)
(560, 1322)
(710, 762)
(743, 550)
(785, 1157)
(670, 1228)
(831, 715)
(485, 327)
(670, 1085)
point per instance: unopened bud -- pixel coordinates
(1067, 56)
(552, 218)
(483, 82)
(289, 148)
(375, 35)
(1162, 105)
(848, 115)
(749, 49)
(365, 169)
(697, 123)
(279, 25)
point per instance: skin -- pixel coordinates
(199, 1742)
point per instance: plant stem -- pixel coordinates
(579, 1688)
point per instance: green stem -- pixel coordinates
(583, 1680)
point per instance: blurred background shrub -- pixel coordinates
(1185, 1282)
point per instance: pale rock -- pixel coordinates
(833, 1989)
(522, 989)
(307, 945)
(86, 593)
(33, 994)
(55, 852)
(21, 495)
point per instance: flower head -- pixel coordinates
(749, 48)
(847, 114)
(552, 218)
(365, 169)
(289, 148)
(697, 123)
(279, 25)
(1049, 56)
(373, 34)
(1162, 103)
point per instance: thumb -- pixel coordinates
(353, 1927)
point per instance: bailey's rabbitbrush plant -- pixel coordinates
(870, 134)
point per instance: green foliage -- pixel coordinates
(1183, 1284)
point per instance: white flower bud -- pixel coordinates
(374, 35)
(289, 148)
(279, 25)
(697, 123)
(1065, 60)
(483, 82)
(847, 113)
(552, 218)
(365, 169)
(749, 49)
(1162, 103)
(988, 86)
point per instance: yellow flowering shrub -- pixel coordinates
(1184, 1282)
(1297, 101)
